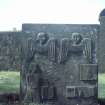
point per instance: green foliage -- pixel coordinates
(9, 81)
(101, 86)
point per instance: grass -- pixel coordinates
(9, 82)
(101, 86)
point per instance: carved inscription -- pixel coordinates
(80, 91)
(86, 91)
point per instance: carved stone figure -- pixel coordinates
(65, 68)
(77, 38)
(84, 44)
(59, 50)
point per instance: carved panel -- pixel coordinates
(88, 71)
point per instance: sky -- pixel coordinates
(13, 13)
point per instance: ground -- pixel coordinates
(101, 85)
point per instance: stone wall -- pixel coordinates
(9, 51)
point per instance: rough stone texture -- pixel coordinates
(49, 75)
(12, 44)
(9, 50)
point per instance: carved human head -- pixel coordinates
(76, 37)
(42, 37)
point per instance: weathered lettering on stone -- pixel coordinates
(86, 91)
(80, 91)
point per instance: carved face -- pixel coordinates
(76, 37)
(42, 37)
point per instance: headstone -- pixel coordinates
(65, 69)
